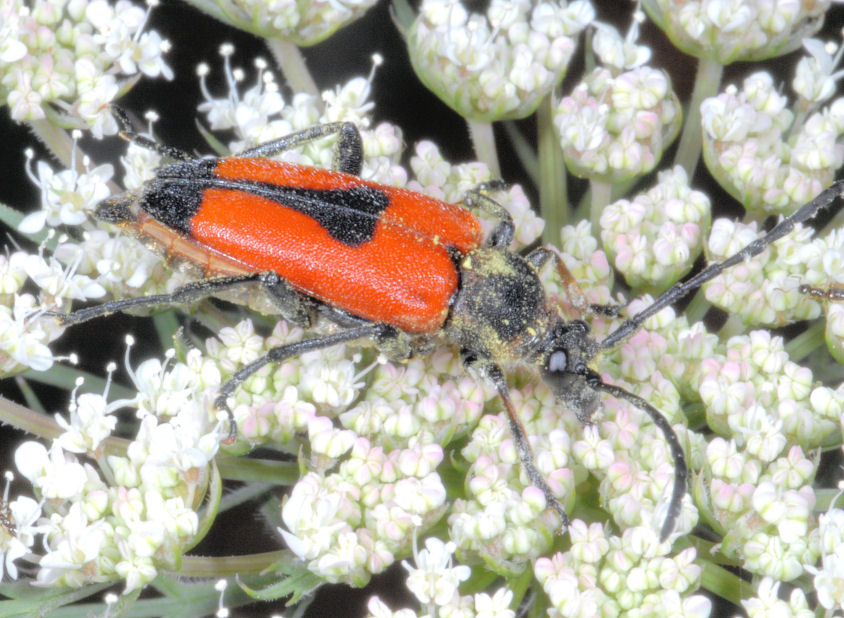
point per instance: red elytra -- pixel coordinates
(381, 253)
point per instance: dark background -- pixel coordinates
(400, 98)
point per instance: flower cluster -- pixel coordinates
(434, 580)
(384, 450)
(352, 523)
(259, 113)
(68, 57)
(607, 575)
(829, 576)
(301, 23)
(755, 393)
(127, 516)
(497, 66)
(766, 290)
(77, 270)
(504, 519)
(66, 198)
(615, 125)
(635, 484)
(434, 176)
(731, 30)
(769, 158)
(654, 239)
(761, 496)
(767, 602)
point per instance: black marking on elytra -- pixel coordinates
(348, 215)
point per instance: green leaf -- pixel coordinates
(298, 582)
(29, 600)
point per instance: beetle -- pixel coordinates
(387, 264)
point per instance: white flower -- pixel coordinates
(17, 531)
(814, 79)
(56, 474)
(433, 579)
(23, 337)
(91, 422)
(67, 197)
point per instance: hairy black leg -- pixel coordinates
(493, 372)
(188, 293)
(283, 352)
(477, 198)
(349, 154)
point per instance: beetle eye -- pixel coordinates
(557, 361)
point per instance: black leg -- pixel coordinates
(349, 155)
(283, 352)
(540, 256)
(291, 304)
(188, 293)
(128, 132)
(493, 372)
(502, 235)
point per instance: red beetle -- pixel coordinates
(393, 265)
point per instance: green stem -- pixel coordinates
(707, 81)
(553, 198)
(57, 141)
(224, 566)
(290, 60)
(806, 342)
(21, 417)
(825, 498)
(208, 515)
(601, 196)
(732, 327)
(523, 148)
(697, 308)
(722, 582)
(263, 470)
(483, 142)
(45, 427)
(64, 377)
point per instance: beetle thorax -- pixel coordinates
(499, 313)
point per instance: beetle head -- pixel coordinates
(565, 355)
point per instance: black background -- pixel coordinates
(399, 98)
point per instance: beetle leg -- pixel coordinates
(477, 198)
(283, 352)
(349, 153)
(289, 302)
(540, 256)
(128, 133)
(188, 293)
(517, 429)
(292, 305)
(348, 159)
(496, 376)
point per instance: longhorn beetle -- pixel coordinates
(387, 264)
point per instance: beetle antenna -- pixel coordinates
(128, 133)
(494, 373)
(679, 290)
(681, 471)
